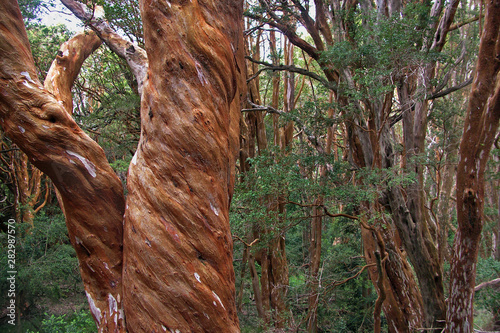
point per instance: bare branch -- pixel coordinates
(492, 283)
(290, 33)
(452, 89)
(461, 24)
(289, 68)
(245, 243)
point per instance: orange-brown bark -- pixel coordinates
(66, 66)
(177, 246)
(36, 121)
(480, 128)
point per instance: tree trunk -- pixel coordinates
(481, 125)
(42, 128)
(178, 271)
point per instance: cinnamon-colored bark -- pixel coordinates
(38, 123)
(177, 247)
(66, 67)
(480, 128)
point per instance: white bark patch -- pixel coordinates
(113, 304)
(28, 85)
(88, 165)
(93, 308)
(201, 76)
(120, 314)
(134, 159)
(27, 76)
(21, 129)
(214, 209)
(197, 276)
(90, 267)
(218, 298)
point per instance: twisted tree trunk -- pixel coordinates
(35, 120)
(178, 249)
(178, 272)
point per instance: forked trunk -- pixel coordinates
(35, 120)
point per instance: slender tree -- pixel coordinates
(480, 128)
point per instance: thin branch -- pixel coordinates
(311, 137)
(492, 283)
(286, 29)
(325, 210)
(289, 68)
(338, 283)
(245, 243)
(452, 89)
(461, 24)
(8, 150)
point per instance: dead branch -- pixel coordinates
(492, 283)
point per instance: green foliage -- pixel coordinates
(46, 262)
(31, 9)
(384, 43)
(78, 322)
(45, 42)
(487, 269)
(292, 178)
(107, 105)
(124, 16)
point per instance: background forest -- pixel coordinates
(350, 112)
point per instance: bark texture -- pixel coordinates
(66, 67)
(178, 272)
(39, 124)
(480, 128)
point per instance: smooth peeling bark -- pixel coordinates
(66, 67)
(92, 194)
(480, 128)
(177, 245)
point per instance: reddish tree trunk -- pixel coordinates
(36, 121)
(179, 248)
(481, 125)
(178, 272)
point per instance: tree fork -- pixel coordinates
(35, 120)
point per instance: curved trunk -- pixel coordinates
(177, 246)
(35, 120)
(66, 67)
